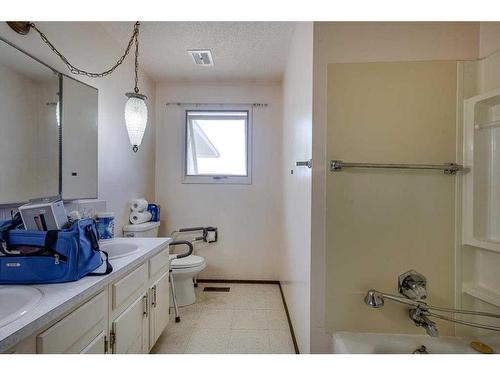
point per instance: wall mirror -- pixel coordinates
(48, 131)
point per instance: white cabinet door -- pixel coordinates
(130, 328)
(160, 300)
(97, 346)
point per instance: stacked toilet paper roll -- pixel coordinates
(139, 213)
(139, 205)
(140, 217)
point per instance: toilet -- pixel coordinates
(183, 272)
(183, 269)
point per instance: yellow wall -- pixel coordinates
(348, 42)
(382, 223)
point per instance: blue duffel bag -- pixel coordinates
(55, 256)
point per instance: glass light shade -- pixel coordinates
(136, 118)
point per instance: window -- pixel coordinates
(218, 146)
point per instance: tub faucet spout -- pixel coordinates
(420, 319)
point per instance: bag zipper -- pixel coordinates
(56, 258)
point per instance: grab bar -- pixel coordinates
(448, 168)
(183, 255)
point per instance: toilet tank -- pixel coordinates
(149, 229)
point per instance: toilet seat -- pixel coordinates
(190, 261)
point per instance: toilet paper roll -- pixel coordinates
(139, 205)
(140, 217)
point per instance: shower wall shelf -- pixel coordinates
(481, 186)
(480, 292)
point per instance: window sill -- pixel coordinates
(227, 180)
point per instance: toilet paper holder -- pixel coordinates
(210, 234)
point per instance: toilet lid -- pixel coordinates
(188, 262)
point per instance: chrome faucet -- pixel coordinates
(420, 319)
(413, 286)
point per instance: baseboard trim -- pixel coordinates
(294, 340)
(230, 281)
(275, 282)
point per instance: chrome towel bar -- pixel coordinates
(448, 168)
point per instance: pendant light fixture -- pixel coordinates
(136, 110)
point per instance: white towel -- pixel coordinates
(140, 217)
(139, 205)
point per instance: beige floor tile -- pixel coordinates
(249, 341)
(272, 302)
(249, 319)
(208, 341)
(276, 319)
(173, 340)
(280, 342)
(189, 316)
(215, 300)
(243, 301)
(215, 318)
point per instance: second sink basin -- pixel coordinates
(118, 248)
(15, 301)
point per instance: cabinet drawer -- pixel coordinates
(76, 331)
(158, 262)
(129, 285)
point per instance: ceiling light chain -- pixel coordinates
(136, 37)
(73, 69)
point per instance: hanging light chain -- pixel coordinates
(73, 69)
(136, 37)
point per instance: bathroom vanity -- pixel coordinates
(123, 312)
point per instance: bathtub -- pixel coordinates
(385, 343)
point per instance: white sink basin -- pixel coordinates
(15, 301)
(117, 248)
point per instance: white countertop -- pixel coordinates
(57, 299)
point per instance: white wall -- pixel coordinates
(365, 42)
(478, 267)
(248, 216)
(297, 138)
(123, 175)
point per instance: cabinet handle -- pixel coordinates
(145, 305)
(153, 302)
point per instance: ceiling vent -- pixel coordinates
(202, 57)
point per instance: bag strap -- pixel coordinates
(109, 267)
(50, 240)
(94, 243)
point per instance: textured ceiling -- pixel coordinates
(250, 51)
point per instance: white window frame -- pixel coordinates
(219, 179)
